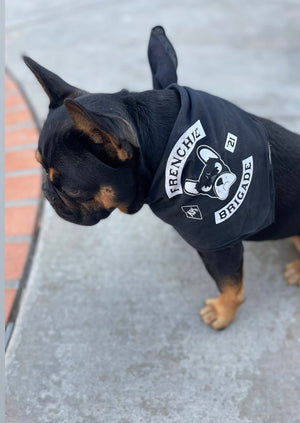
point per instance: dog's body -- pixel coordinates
(97, 150)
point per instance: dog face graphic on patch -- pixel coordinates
(215, 179)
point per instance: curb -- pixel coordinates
(23, 205)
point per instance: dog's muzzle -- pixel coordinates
(72, 212)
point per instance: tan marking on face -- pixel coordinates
(123, 208)
(68, 203)
(38, 157)
(220, 312)
(89, 206)
(53, 173)
(106, 197)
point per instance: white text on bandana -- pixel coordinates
(178, 156)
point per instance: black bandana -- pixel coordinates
(214, 183)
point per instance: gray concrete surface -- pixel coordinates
(109, 329)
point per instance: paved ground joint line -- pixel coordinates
(24, 172)
(20, 203)
(20, 147)
(21, 125)
(12, 284)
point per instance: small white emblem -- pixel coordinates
(192, 212)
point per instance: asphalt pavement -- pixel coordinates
(109, 327)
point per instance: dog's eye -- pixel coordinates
(74, 193)
(218, 166)
(206, 188)
(71, 193)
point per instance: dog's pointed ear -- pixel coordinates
(54, 86)
(114, 133)
(205, 153)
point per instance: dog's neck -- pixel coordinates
(154, 114)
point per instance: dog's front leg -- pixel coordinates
(226, 268)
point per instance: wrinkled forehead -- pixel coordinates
(72, 164)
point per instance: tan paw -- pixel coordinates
(292, 272)
(296, 242)
(216, 314)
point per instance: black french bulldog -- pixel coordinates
(108, 151)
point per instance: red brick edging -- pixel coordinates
(22, 191)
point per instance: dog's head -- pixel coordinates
(89, 149)
(216, 177)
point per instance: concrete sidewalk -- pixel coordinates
(109, 329)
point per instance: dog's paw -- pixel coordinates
(216, 314)
(292, 273)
